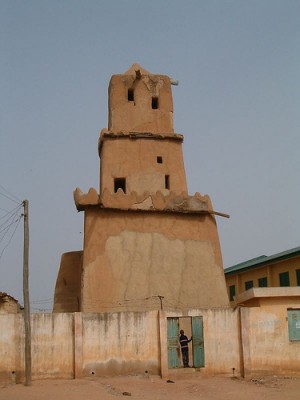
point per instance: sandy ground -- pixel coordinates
(155, 388)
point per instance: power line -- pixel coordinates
(9, 220)
(41, 301)
(18, 222)
(5, 226)
(10, 212)
(12, 196)
(6, 229)
(9, 198)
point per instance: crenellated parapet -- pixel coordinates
(159, 201)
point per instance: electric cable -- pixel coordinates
(18, 222)
(13, 197)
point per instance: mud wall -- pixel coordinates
(267, 348)
(130, 258)
(120, 343)
(76, 345)
(52, 347)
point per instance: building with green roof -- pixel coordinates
(278, 270)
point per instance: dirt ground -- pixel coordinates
(155, 388)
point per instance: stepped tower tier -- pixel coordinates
(139, 151)
(139, 101)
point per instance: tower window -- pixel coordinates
(120, 183)
(154, 103)
(167, 181)
(130, 95)
(159, 159)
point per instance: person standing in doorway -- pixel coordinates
(184, 344)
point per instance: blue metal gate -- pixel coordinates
(173, 343)
(198, 342)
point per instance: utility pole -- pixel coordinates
(26, 297)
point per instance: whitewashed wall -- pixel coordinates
(11, 348)
(82, 344)
(52, 346)
(120, 343)
(267, 348)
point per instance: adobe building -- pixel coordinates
(148, 244)
(8, 304)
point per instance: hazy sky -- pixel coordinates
(237, 105)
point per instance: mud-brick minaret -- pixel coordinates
(139, 151)
(147, 243)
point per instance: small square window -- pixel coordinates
(263, 282)
(298, 276)
(167, 181)
(154, 103)
(159, 159)
(248, 285)
(284, 279)
(120, 183)
(130, 94)
(231, 292)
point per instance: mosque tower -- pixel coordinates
(145, 238)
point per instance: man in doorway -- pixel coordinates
(184, 341)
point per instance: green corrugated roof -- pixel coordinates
(262, 260)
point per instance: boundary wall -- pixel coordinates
(75, 345)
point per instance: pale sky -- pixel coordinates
(237, 105)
